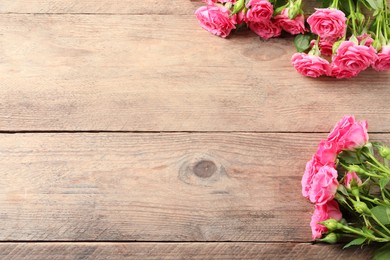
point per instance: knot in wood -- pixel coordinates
(204, 169)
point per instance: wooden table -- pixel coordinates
(127, 131)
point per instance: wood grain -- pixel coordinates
(155, 187)
(31, 251)
(165, 73)
(108, 6)
(103, 6)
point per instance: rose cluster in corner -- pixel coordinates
(341, 40)
(349, 174)
(344, 41)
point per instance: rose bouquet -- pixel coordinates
(265, 18)
(343, 38)
(347, 181)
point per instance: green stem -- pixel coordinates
(358, 10)
(361, 233)
(383, 196)
(368, 225)
(364, 172)
(344, 202)
(370, 200)
(380, 233)
(386, 22)
(335, 4)
(380, 224)
(378, 26)
(315, 50)
(379, 169)
(372, 175)
(366, 221)
(387, 192)
(352, 17)
(386, 170)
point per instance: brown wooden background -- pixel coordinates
(127, 131)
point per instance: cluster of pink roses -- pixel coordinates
(320, 180)
(220, 17)
(349, 57)
(348, 180)
(337, 52)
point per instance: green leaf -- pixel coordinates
(351, 157)
(383, 182)
(367, 148)
(375, 4)
(302, 42)
(356, 41)
(382, 253)
(342, 189)
(355, 242)
(382, 213)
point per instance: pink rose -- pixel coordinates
(292, 26)
(383, 61)
(326, 47)
(324, 185)
(349, 134)
(352, 177)
(354, 58)
(321, 213)
(265, 29)
(326, 152)
(215, 19)
(259, 10)
(325, 155)
(366, 39)
(342, 73)
(328, 23)
(311, 169)
(238, 18)
(310, 65)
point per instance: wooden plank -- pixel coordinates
(108, 6)
(155, 187)
(286, 251)
(86, 72)
(99, 6)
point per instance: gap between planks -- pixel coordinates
(102, 14)
(149, 242)
(182, 251)
(162, 132)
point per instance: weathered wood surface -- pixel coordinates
(287, 251)
(165, 73)
(111, 65)
(114, 7)
(155, 187)
(108, 6)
